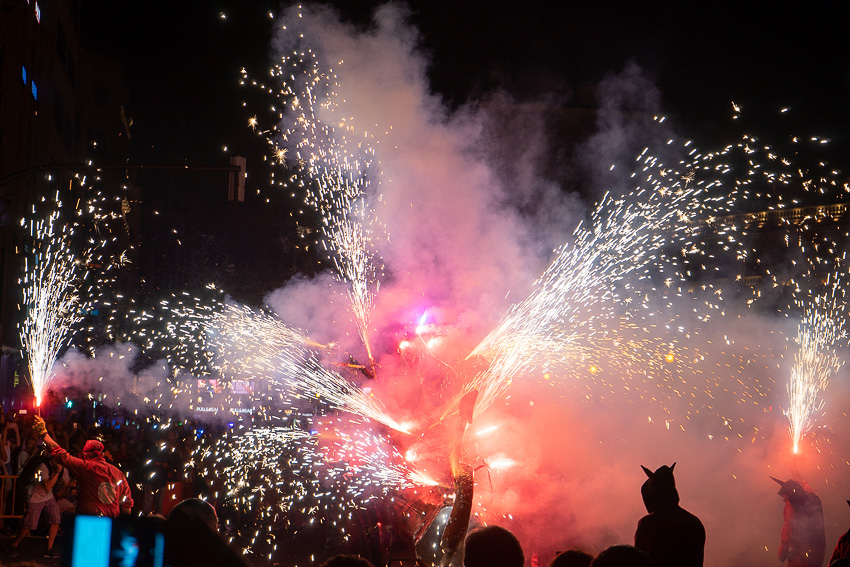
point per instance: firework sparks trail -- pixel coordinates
(818, 334)
(584, 281)
(50, 298)
(238, 342)
(592, 301)
(264, 346)
(270, 472)
(336, 167)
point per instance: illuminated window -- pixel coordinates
(37, 13)
(34, 91)
(24, 73)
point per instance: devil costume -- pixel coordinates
(669, 534)
(803, 540)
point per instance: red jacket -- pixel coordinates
(803, 541)
(102, 488)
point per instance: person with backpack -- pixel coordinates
(38, 478)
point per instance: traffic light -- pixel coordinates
(236, 187)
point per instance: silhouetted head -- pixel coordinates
(195, 508)
(346, 561)
(659, 490)
(492, 546)
(622, 556)
(790, 490)
(571, 558)
(191, 538)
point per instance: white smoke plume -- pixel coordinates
(469, 228)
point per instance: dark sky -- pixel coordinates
(181, 65)
(182, 62)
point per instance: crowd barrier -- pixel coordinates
(8, 496)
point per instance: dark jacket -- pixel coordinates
(669, 534)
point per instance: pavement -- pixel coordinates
(30, 552)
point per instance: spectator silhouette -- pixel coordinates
(803, 539)
(492, 546)
(191, 537)
(571, 558)
(346, 561)
(622, 556)
(670, 535)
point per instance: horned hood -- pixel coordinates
(793, 491)
(659, 491)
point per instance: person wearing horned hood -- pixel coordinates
(803, 539)
(103, 488)
(669, 534)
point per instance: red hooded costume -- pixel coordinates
(103, 489)
(803, 540)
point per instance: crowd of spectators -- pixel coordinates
(141, 467)
(149, 462)
(151, 455)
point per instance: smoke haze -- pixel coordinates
(470, 222)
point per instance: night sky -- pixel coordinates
(182, 63)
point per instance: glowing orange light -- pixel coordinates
(593, 369)
(669, 357)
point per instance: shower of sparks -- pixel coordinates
(611, 304)
(52, 307)
(597, 274)
(337, 161)
(237, 342)
(613, 297)
(819, 332)
(274, 476)
(263, 346)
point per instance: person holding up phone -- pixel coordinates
(102, 489)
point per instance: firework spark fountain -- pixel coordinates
(237, 342)
(602, 268)
(335, 158)
(53, 310)
(819, 332)
(274, 475)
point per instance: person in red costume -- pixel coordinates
(803, 541)
(842, 548)
(102, 488)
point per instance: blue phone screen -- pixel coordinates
(92, 539)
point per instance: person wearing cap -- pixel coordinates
(103, 489)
